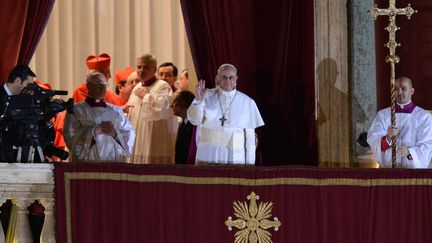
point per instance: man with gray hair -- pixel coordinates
(228, 119)
(152, 116)
(98, 131)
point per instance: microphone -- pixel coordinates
(60, 92)
(53, 92)
(34, 88)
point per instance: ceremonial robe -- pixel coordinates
(154, 123)
(228, 121)
(85, 145)
(415, 132)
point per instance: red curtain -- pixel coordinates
(415, 52)
(22, 25)
(134, 203)
(272, 44)
(222, 31)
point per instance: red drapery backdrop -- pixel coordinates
(133, 203)
(415, 52)
(22, 24)
(271, 43)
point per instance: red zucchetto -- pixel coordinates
(98, 62)
(123, 74)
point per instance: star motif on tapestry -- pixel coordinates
(253, 221)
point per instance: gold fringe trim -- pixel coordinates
(281, 181)
(246, 182)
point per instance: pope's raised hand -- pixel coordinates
(200, 90)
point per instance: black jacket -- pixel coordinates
(6, 153)
(183, 141)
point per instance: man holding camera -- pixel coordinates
(18, 79)
(20, 76)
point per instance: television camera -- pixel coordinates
(27, 122)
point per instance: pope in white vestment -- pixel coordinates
(98, 131)
(152, 117)
(413, 132)
(228, 119)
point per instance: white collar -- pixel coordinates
(402, 105)
(8, 92)
(228, 93)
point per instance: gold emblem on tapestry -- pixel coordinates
(253, 221)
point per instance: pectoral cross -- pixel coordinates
(392, 11)
(223, 120)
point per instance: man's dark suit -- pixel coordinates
(16, 133)
(183, 141)
(3, 99)
(6, 153)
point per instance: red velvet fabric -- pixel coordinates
(272, 45)
(37, 18)
(12, 25)
(134, 203)
(22, 24)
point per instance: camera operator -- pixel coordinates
(20, 76)
(27, 111)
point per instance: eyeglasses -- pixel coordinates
(230, 78)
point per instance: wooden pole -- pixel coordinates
(392, 58)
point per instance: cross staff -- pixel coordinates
(392, 58)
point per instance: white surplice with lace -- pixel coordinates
(85, 145)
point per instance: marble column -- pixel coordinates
(362, 65)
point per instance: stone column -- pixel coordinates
(362, 76)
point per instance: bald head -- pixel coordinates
(133, 79)
(404, 80)
(404, 90)
(96, 85)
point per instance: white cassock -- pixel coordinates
(228, 121)
(415, 133)
(154, 123)
(85, 145)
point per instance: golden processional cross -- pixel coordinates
(392, 58)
